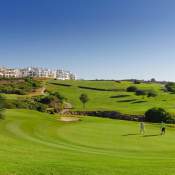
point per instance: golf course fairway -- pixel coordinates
(33, 143)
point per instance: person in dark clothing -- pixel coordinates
(163, 128)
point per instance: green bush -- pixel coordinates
(137, 81)
(151, 93)
(40, 107)
(19, 86)
(157, 115)
(132, 89)
(140, 92)
(170, 87)
(53, 100)
(9, 104)
(58, 95)
(2, 107)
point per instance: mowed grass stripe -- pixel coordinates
(16, 128)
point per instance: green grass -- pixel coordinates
(101, 100)
(34, 143)
(12, 96)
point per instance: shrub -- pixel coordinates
(151, 93)
(44, 99)
(58, 95)
(137, 81)
(21, 104)
(40, 107)
(9, 104)
(157, 115)
(2, 102)
(53, 100)
(20, 87)
(132, 89)
(170, 87)
(140, 92)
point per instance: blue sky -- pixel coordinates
(109, 39)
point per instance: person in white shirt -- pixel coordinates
(142, 128)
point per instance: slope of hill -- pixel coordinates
(111, 95)
(106, 95)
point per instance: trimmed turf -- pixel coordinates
(34, 143)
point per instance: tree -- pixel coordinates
(156, 115)
(84, 99)
(153, 80)
(2, 104)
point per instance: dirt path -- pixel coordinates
(37, 92)
(43, 90)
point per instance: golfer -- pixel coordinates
(142, 128)
(163, 128)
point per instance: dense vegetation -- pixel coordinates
(53, 101)
(18, 86)
(157, 115)
(2, 107)
(26, 95)
(170, 87)
(132, 89)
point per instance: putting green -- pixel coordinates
(34, 143)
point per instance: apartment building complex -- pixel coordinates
(36, 72)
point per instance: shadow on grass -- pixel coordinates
(131, 100)
(152, 135)
(139, 102)
(119, 96)
(148, 135)
(125, 135)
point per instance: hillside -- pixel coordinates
(111, 95)
(105, 95)
(34, 143)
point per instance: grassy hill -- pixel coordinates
(111, 95)
(106, 95)
(34, 143)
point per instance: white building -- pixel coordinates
(64, 75)
(9, 73)
(36, 72)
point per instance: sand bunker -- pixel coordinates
(69, 119)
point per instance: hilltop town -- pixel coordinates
(36, 72)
